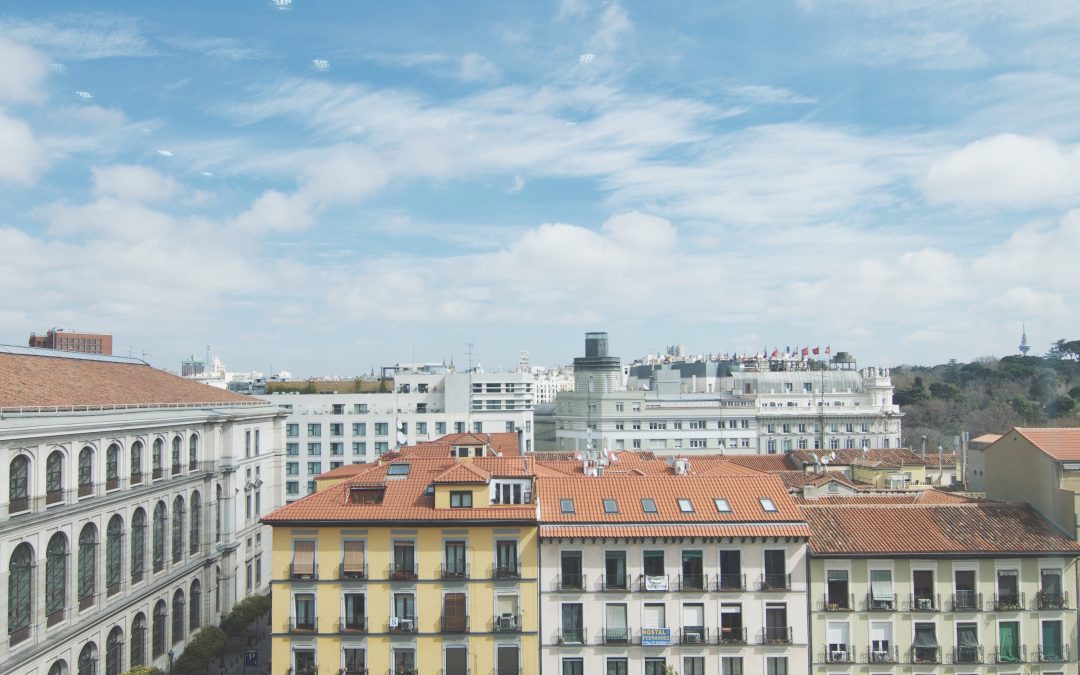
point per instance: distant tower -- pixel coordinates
(1024, 346)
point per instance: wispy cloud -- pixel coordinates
(81, 37)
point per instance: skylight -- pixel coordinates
(686, 506)
(722, 505)
(648, 505)
(397, 470)
(767, 504)
(611, 506)
(566, 505)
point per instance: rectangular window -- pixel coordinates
(404, 560)
(611, 506)
(616, 630)
(1008, 590)
(292, 430)
(440, 428)
(776, 577)
(461, 500)
(337, 429)
(924, 597)
(693, 665)
(292, 487)
(304, 617)
(776, 665)
(337, 449)
(731, 576)
(355, 614)
(353, 564)
(615, 577)
(617, 666)
(382, 428)
(381, 447)
(881, 590)
(421, 429)
(836, 590)
(925, 648)
(454, 613)
(359, 429)
(566, 505)
(314, 430)
(359, 408)
(292, 449)
(686, 506)
(359, 448)
(731, 665)
(571, 571)
(506, 559)
(573, 626)
(655, 666)
(314, 449)
(693, 571)
(454, 566)
(303, 563)
(653, 568)
(292, 468)
(314, 468)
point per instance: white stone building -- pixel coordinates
(132, 509)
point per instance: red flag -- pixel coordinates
(817, 350)
(828, 350)
(775, 353)
(805, 351)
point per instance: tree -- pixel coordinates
(204, 646)
(1062, 405)
(1029, 411)
(944, 391)
(144, 670)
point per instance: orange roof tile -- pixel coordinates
(344, 471)
(958, 529)
(896, 498)
(679, 530)
(503, 442)
(767, 463)
(1061, 443)
(462, 472)
(849, 456)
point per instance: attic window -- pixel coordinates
(686, 506)
(397, 470)
(767, 504)
(722, 505)
(366, 495)
(648, 505)
(611, 506)
(566, 505)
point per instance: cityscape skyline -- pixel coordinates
(383, 182)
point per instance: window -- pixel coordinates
(160, 517)
(615, 577)
(314, 449)
(87, 565)
(617, 666)
(731, 577)
(767, 504)
(731, 665)
(355, 615)
(776, 665)
(923, 587)
(304, 612)
(693, 665)
(698, 443)
(292, 430)
(686, 506)
(454, 566)
(177, 442)
(138, 640)
(1050, 595)
(56, 555)
(573, 626)
(314, 430)
(178, 529)
(353, 565)
(571, 571)
(88, 658)
(1050, 646)
(86, 472)
(355, 662)
(925, 648)
(881, 590)
(655, 666)
(611, 506)
(195, 619)
(19, 485)
(382, 428)
(360, 408)
(404, 560)
(461, 500)
(653, 564)
(722, 505)
(648, 505)
(337, 429)
(292, 468)
(398, 470)
(114, 554)
(421, 427)
(454, 613)
(20, 592)
(566, 505)
(574, 666)
(1008, 590)
(405, 611)
(693, 572)
(314, 468)
(195, 538)
(775, 570)
(359, 429)
(54, 478)
(337, 448)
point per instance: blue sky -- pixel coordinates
(327, 187)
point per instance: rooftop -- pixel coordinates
(1061, 444)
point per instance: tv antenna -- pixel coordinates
(468, 350)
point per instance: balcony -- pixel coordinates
(774, 582)
(353, 572)
(924, 603)
(837, 603)
(967, 654)
(615, 636)
(453, 624)
(776, 635)
(1051, 600)
(730, 582)
(653, 583)
(401, 572)
(883, 654)
(506, 623)
(887, 604)
(619, 584)
(694, 635)
(453, 572)
(401, 670)
(509, 571)
(1004, 602)
(1059, 654)
(302, 624)
(574, 636)
(1014, 655)
(353, 671)
(925, 654)
(570, 582)
(353, 624)
(966, 601)
(303, 571)
(838, 653)
(731, 635)
(402, 624)
(692, 583)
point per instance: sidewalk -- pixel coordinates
(255, 636)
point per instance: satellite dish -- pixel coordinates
(832, 455)
(402, 439)
(826, 460)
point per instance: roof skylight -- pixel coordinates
(648, 505)
(611, 506)
(767, 504)
(722, 505)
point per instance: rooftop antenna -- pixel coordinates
(1024, 346)
(468, 351)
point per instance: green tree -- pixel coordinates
(945, 391)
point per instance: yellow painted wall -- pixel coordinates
(1017, 471)
(480, 495)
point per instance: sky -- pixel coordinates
(328, 187)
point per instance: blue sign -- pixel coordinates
(251, 657)
(655, 636)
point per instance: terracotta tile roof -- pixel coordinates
(44, 378)
(958, 529)
(948, 460)
(642, 464)
(743, 494)
(1061, 444)
(800, 479)
(507, 466)
(848, 456)
(344, 471)
(688, 530)
(463, 472)
(503, 442)
(767, 463)
(896, 498)
(986, 439)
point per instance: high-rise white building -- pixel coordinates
(132, 510)
(325, 431)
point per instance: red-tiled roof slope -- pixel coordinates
(896, 498)
(462, 472)
(743, 494)
(53, 381)
(976, 528)
(344, 471)
(503, 442)
(767, 463)
(1060, 443)
(628, 463)
(679, 530)
(848, 456)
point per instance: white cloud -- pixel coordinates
(321, 65)
(133, 183)
(476, 68)
(930, 50)
(763, 93)
(22, 159)
(1006, 170)
(165, 153)
(81, 37)
(85, 95)
(569, 9)
(23, 73)
(275, 211)
(614, 28)
(587, 58)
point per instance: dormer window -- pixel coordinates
(768, 505)
(722, 505)
(366, 495)
(566, 505)
(611, 506)
(686, 506)
(461, 500)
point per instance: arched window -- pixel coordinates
(136, 463)
(19, 485)
(138, 640)
(193, 452)
(114, 554)
(156, 457)
(138, 545)
(196, 522)
(87, 565)
(112, 467)
(20, 592)
(160, 517)
(88, 659)
(86, 471)
(58, 668)
(177, 616)
(217, 590)
(217, 515)
(196, 605)
(160, 615)
(177, 444)
(178, 529)
(56, 571)
(114, 651)
(54, 478)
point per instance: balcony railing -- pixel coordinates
(574, 636)
(694, 635)
(653, 583)
(303, 624)
(966, 601)
(692, 583)
(1009, 601)
(838, 602)
(570, 582)
(776, 635)
(1061, 654)
(883, 654)
(924, 603)
(453, 624)
(511, 571)
(403, 671)
(838, 654)
(967, 654)
(506, 623)
(1051, 600)
(401, 572)
(731, 635)
(880, 604)
(730, 582)
(615, 636)
(353, 671)
(454, 571)
(925, 654)
(353, 573)
(1015, 655)
(619, 584)
(774, 582)
(303, 571)
(353, 624)
(402, 624)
